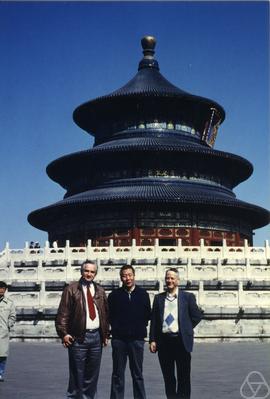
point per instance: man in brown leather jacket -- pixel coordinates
(82, 324)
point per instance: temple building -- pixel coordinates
(152, 173)
(154, 193)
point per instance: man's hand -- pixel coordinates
(68, 340)
(153, 347)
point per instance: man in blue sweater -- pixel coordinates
(129, 313)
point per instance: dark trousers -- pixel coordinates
(171, 353)
(133, 350)
(84, 365)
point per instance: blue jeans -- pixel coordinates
(84, 366)
(133, 350)
(3, 361)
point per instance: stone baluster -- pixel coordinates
(224, 248)
(40, 273)
(100, 275)
(156, 248)
(267, 249)
(47, 252)
(188, 268)
(219, 269)
(248, 271)
(201, 294)
(111, 253)
(67, 250)
(159, 273)
(246, 249)
(89, 249)
(241, 294)
(202, 249)
(68, 258)
(42, 295)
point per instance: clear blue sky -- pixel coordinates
(54, 56)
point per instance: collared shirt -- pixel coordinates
(130, 291)
(170, 319)
(90, 324)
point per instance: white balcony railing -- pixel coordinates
(193, 262)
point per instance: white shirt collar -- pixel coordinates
(171, 296)
(131, 290)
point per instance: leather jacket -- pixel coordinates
(71, 315)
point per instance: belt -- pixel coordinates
(170, 335)
(93, 330)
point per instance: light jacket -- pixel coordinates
(7, 321)
(189, 315)
(71, 315)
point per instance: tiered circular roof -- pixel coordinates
(158, 192)
(149, 95)
(138, 97)
(82, 161)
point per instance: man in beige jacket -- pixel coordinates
(7, 321)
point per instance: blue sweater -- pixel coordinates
(129, 313)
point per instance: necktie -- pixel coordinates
(91, 307)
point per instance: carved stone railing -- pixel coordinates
(231, 284)
(193, 263)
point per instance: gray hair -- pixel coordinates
(86, 262)
(172, 269)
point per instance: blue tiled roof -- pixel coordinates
(151, 83)
(153, 189)
(156, 192)
(152, 144)
(147, 83)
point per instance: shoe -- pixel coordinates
(1, 378)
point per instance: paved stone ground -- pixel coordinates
(39, 371)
